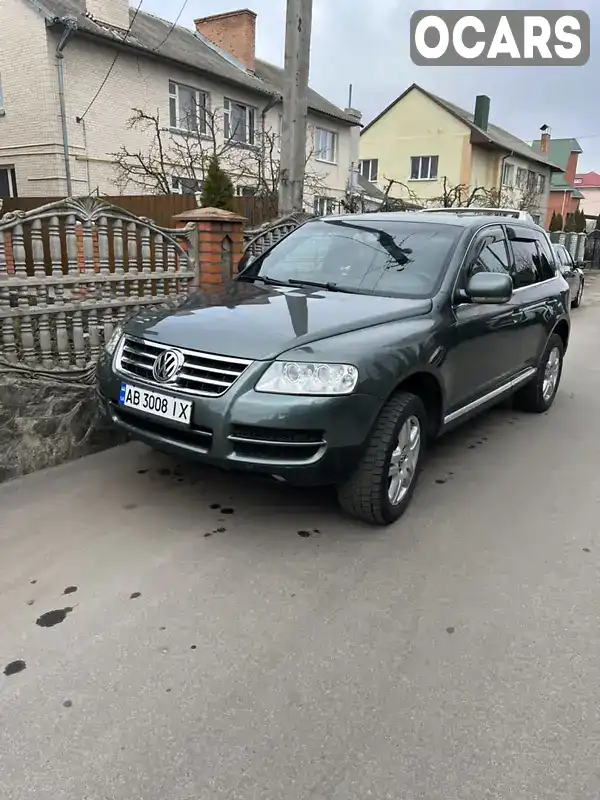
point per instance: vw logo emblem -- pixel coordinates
(167, 365)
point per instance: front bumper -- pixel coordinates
(302, 440)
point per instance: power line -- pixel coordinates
(172, 28)
(112, 66)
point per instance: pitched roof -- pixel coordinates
(559, 151)
(158, 38)
(369, 188)
(587, 180)
(494, 135)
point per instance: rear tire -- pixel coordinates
(538, 395)
(381, 487)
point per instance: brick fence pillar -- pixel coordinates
(220, 244)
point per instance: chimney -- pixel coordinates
(233, 32)
(354, 144)
(111, 12)
(545, 140)
(482, 111)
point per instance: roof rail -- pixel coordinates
(515, 213)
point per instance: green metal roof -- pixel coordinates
(559, 152)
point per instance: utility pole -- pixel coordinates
(295, 99)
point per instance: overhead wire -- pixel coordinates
(172, 28)
(112, 66)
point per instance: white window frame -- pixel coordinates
(429, 174)
(250, 118)
(324, 206)
(12, 179)
(541, 183)
(365, 167)
(202, 107)
(327, 151)
(508, 175)
(178, 188)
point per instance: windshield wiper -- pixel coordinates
(329, 287)
(263, 278)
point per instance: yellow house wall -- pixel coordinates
(485, 166)
(416, 126)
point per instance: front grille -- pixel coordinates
(197, 438)
(202, 373)
(276, 445)
(276, 435)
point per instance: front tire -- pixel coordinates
(538, 395)
(577, 301)
(381, 487)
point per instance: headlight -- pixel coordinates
(300, 377)
(112, 343)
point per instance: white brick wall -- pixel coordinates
(30, 138)
(30, 133)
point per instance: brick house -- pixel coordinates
(115, 59)
(564, 197)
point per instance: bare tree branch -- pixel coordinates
(186, 154)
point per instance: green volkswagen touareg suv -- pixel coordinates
(337, 355)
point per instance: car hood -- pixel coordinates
(251, 320)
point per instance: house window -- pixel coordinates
(186, 185)
(187, 108)
(577, 180)
(532, 180)
(8, 182)
(508, 175)
(541, 187)
(424, 168)
(323, 206)
(246, 191)
(325, 145)
(239, 122)
(521, 178)
(368, 168)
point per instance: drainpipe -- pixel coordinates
(70, 26)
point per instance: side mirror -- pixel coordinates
(489, 287)
(580, 264)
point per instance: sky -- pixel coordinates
(367, 45)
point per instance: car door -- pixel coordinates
(483, 351)
(567, 267)
(534, 270)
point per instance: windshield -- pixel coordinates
(392, 258)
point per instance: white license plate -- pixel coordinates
(159, 405)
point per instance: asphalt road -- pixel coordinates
(203, 654)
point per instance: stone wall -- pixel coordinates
(44, 423)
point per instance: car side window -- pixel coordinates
(567, 258)
(526, 255)
(547, 266)
(489, 253)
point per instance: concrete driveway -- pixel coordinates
(185, 635)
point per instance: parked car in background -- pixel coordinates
(338, 354)
(573, 273)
